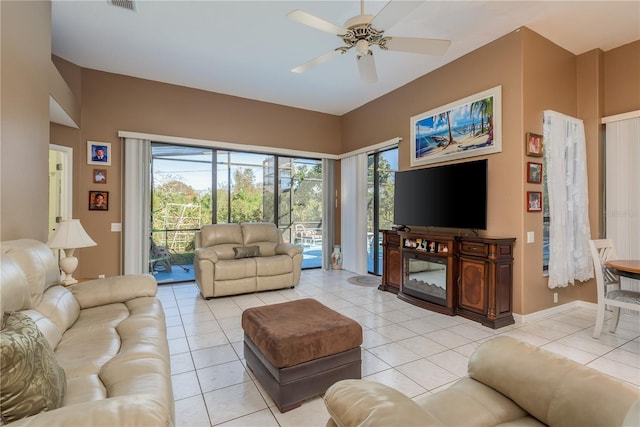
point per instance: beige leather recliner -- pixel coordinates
(108, 335)
(235, 259)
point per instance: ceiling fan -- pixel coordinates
(363, 31)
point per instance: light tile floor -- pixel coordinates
(413, 350)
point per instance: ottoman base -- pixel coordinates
(290, 386)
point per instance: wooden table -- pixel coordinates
(625, 267)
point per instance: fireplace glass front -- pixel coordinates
(425, 278)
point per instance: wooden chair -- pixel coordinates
(608, 286)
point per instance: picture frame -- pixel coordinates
(534, 201)
(534, 172)
(98, 153)
(98, 200)
(534, 144)
(99, 176)
(468, 127)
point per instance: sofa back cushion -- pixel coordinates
(15, 294)
(556, 390)
(37, 263)
(265, 235)
(222, 238)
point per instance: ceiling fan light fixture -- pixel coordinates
(362, 48)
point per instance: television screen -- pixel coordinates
(452, 196)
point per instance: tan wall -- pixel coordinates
(498, 63)
(549, 83)
(621, 81)
(111, 103)
(24, 148)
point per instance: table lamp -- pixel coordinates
(69, 236)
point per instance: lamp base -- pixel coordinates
(67, 281)
(68, 266)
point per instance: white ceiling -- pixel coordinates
(247, 48)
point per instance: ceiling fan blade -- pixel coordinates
(367, 68)
(417, 45)
(315, 22)
(316, 61)
(392, 13)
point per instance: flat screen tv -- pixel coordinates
(450, 196)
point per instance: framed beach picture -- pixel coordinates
(464, 128)
(98, 200)
(534, 144)
(534, 201)
(98, 153)
(99, 176)
(534, 172)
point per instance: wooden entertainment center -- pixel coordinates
(468, 276)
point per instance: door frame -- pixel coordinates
(66, 206)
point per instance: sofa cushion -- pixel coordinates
(235, 269)
(14, 292)
(31, 380)
(274, 265)
(263, 234)
(37, 263)
(368, 403)
(246, 251)
(468, 399)
(220, 234)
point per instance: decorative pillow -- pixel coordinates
(246, 251)
(31, 380)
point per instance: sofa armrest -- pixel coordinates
(368, 403)
(288, 249)
(129, 410)
(114, 289)
(207, 253)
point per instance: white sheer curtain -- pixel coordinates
(569, 232)
(354, 213)
(328, 210)
(137, 204)
(623, 189)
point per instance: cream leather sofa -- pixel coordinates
(510, 383)
(108, 335)
(227, 262)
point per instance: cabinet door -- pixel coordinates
(394, 267)
(473, 285)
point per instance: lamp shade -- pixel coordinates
(70, 235)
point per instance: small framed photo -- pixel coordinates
(534, 201)
(98, 200)
(534, 172)
(534, 144)
(98, 153)
(99, 176)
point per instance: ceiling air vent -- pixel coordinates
(125, 4)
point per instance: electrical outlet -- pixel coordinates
(555, 297)
(530, 237)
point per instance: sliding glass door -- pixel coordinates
(193, 186)
(181, 202)
(380, 186)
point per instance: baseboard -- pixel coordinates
(539, 315)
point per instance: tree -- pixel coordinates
(246, 197)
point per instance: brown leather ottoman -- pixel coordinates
(298, 349)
